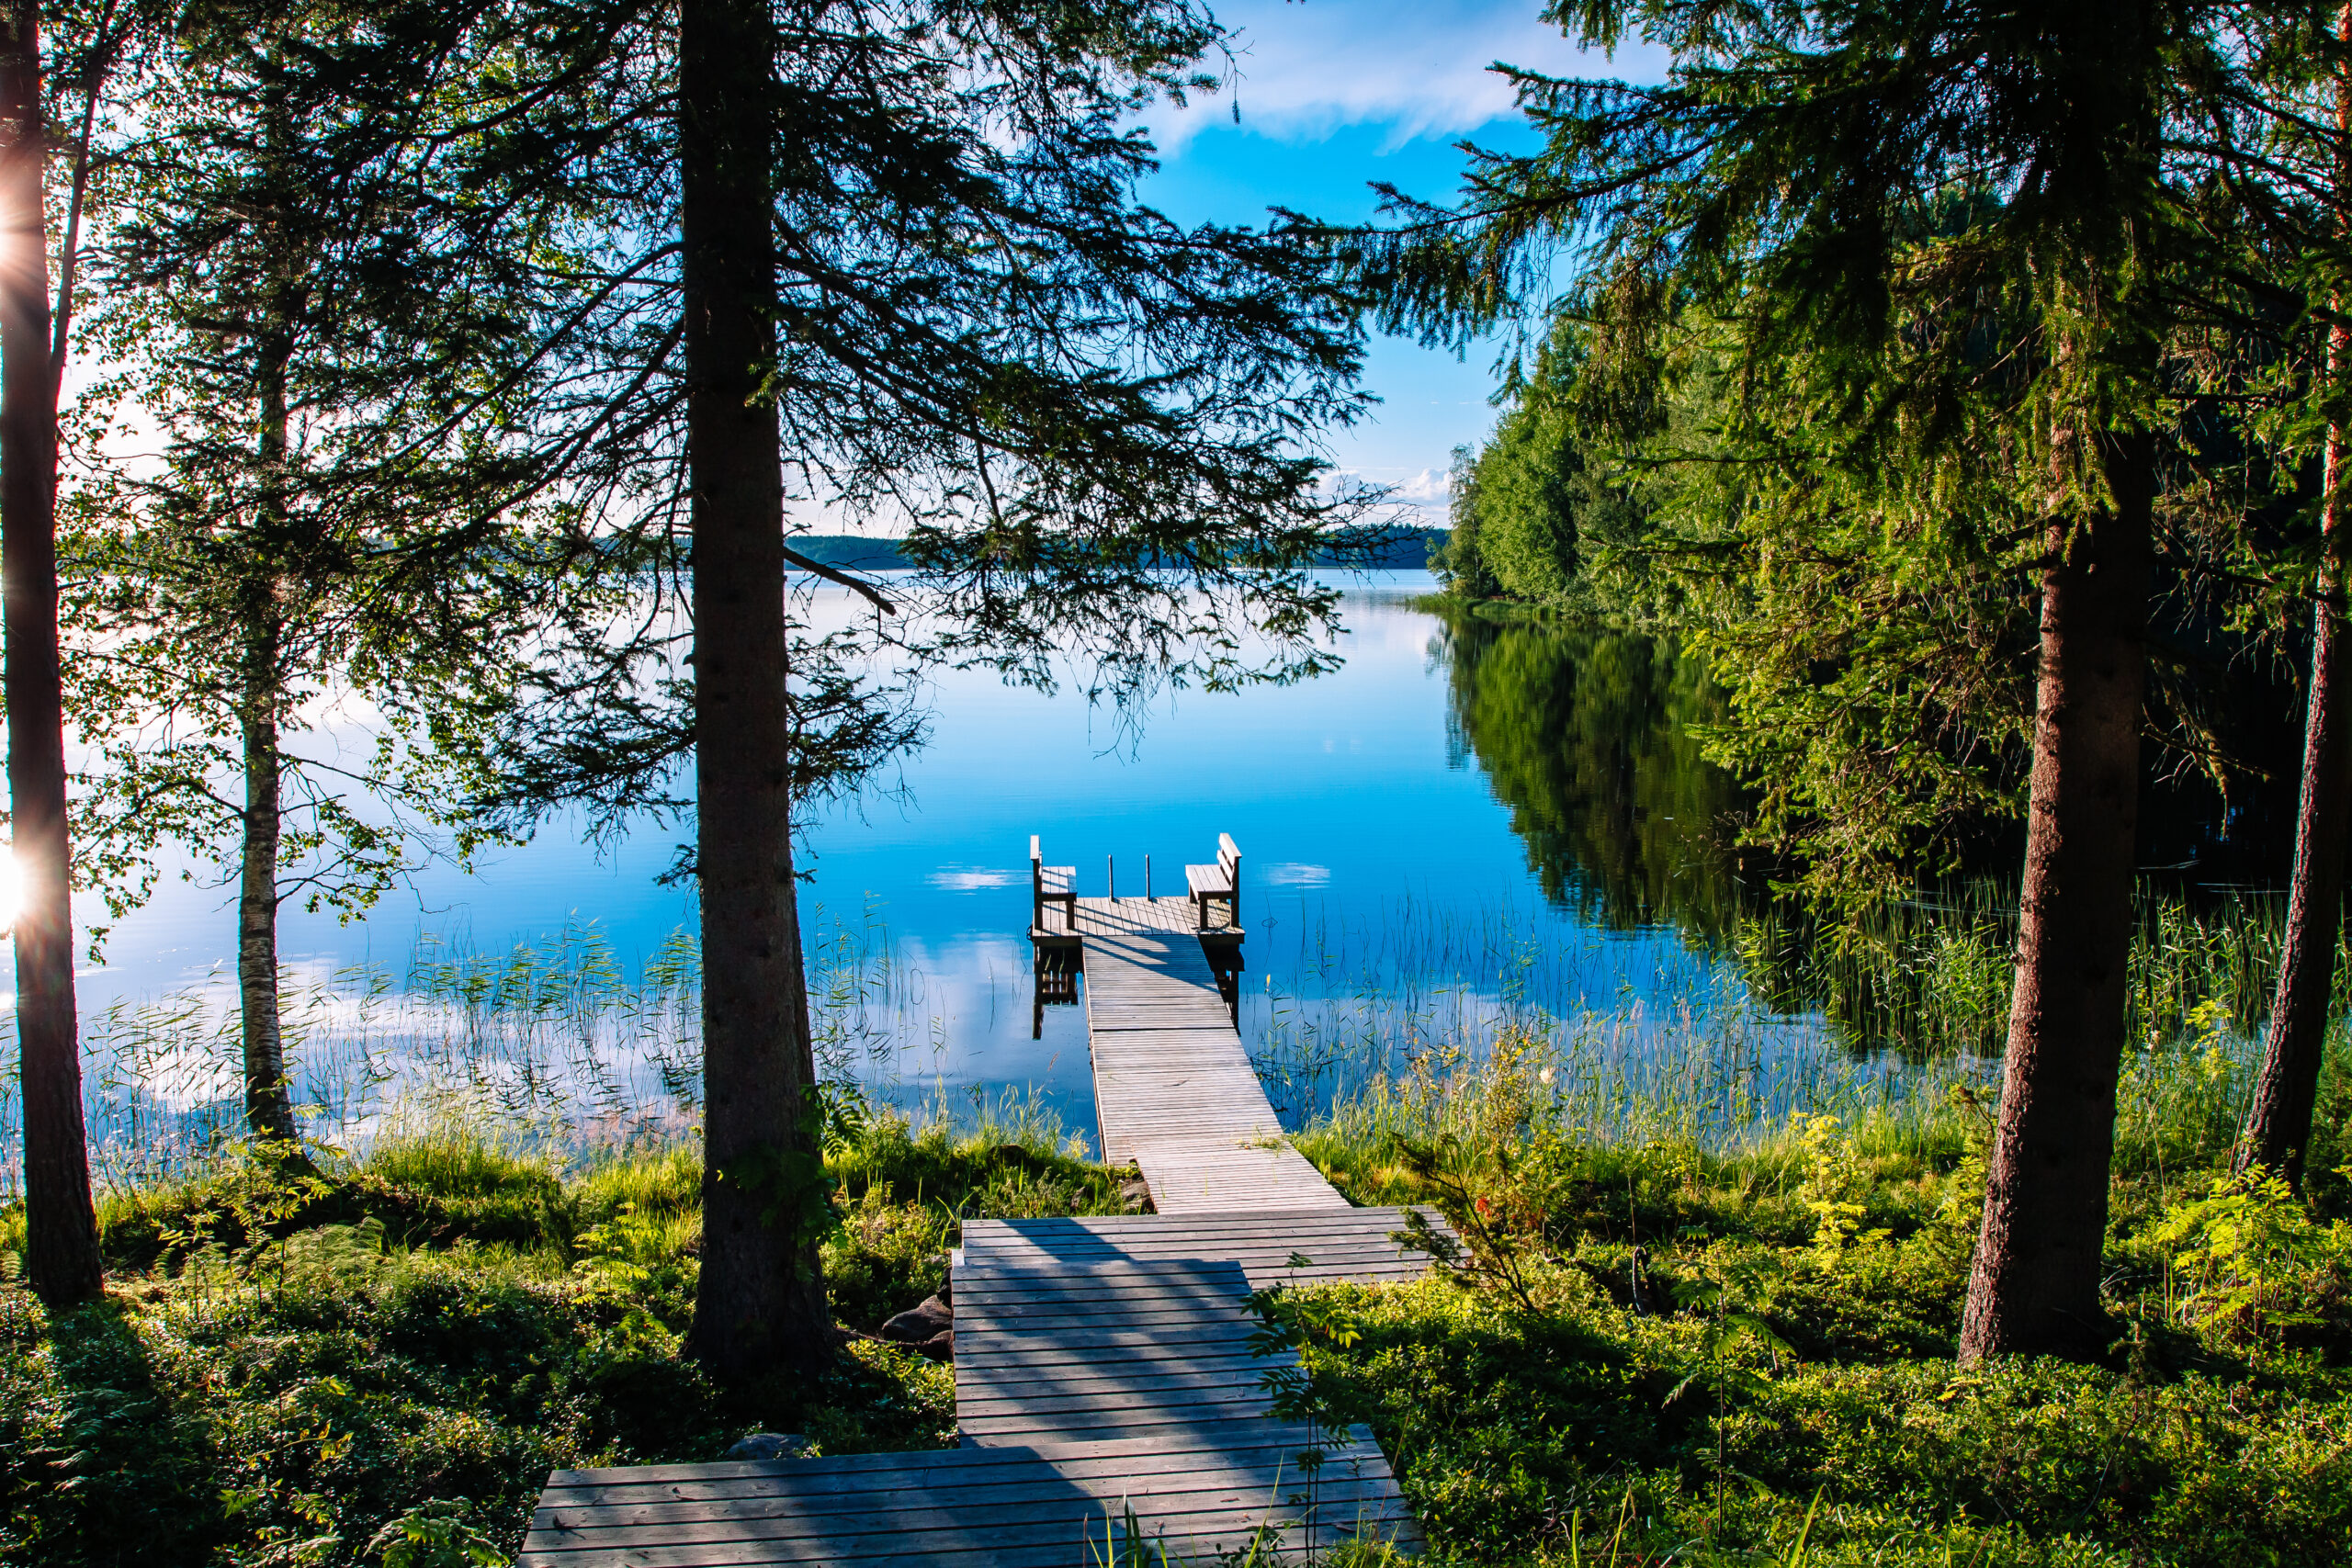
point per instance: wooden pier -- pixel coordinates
(1174, 1092)
(1103, 1370)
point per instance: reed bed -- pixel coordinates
(1364, 1031)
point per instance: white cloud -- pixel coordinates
(1428, 488)
(1414, 492)
(1420, 67)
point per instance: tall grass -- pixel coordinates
(1928, 976)
(552, 1046)
(1363, 1032)
(1891, 1024)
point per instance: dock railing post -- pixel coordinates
(1111, 878)
(1146, 879)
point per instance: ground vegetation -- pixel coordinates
(1674, 1333)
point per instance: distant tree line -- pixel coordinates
(1965, 380)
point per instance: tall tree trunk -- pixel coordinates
(2034, 1287)
(762, 1303)
(2279, 1127)
(61, 1233)
(269, 1108)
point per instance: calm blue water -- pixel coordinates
(1375, 848)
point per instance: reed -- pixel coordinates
(1364, 1030)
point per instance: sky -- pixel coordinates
(1332, 95)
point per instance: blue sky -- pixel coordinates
(1333, 94)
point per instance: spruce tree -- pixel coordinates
(306, 306)
(1944, 244)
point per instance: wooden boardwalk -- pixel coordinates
(1044, 1506)
(1103, 1366)
(1081, 1329)
(1174, 1092)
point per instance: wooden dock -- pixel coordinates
(1103, 1366)
(1174, 1092)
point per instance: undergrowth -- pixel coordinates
(383, 1358)
(1654, 1351)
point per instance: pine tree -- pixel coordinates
(2285, 157)
(308, 310)
(60, 1236)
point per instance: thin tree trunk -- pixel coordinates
(62, 1237)
(762, 1303)
(2034, 1288)
(2278, 1126)
(269, 1109)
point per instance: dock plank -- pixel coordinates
(1174, 1090)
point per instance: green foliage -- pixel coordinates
(2251, 1260)
(435, 1534)
(1835, 1182)
(888, 1256)
(1782, 1402)
(329, 347)
(323, 1367)
(1799, 1280)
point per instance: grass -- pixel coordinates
(1672, 1347)
(286, 1366)
(1715, 1265)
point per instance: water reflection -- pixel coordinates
(1587, 738)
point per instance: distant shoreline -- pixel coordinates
(1406, 549)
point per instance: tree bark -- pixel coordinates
(761, 1305)
(2278, 1126)
(2034, 1288)
(62, 1237)
(269, 1108)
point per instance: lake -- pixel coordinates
(1454, 825)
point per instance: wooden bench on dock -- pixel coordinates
(1221, 881)
(1051, 885)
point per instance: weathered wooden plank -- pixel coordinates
(1034, 1364)
(928, 1467)
(883, 1508)
(984, 1393)
(1159, 1228)
(1063, 1531)
(791, 1514)
(1274, 1251)
(1052, 1253)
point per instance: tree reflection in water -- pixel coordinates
(1588, 739)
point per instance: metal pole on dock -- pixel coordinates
(1111, 878)
(1146, 879)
